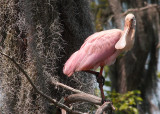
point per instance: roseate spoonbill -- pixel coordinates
(100, 49)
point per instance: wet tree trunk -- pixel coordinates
(41, 35)
(137, 69)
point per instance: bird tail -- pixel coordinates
(70, 65)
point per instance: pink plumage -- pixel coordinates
(102, 48)
(97, 50)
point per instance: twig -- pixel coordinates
(38, 91)
(105, 107)
(66, 87)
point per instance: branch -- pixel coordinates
(79, 95)
(105, 107)
(38, 91)
(65, 87)
(82, 97)
(140, 9)
(137, 9)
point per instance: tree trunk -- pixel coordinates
(41, 35)
(117, 10)
(137, 68)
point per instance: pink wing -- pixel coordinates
(70, 65)
(93, 53)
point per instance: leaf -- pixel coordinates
(135, 110)
(107, 83)
(137, 92)
(139, 99)
(131, 101)
(123, 107)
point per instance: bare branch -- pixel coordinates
(140, 9)
(83, 97)
(137, 9)
(79, 96)
(105, 107)
(38, 91)
(66, 87)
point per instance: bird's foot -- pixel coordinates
(103, 101)
(106, 100)
(100, 80)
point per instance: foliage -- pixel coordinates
(158, 74)
(100, 10)
(125, 102)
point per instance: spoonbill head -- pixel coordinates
(127, 40)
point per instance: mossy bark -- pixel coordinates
(41, 35)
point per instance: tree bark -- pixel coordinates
(41, 35)
(117, 10)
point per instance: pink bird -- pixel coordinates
(100, 49)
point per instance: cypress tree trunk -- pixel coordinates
(41, 35)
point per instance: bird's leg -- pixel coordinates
(100, 80)
(96, 74)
